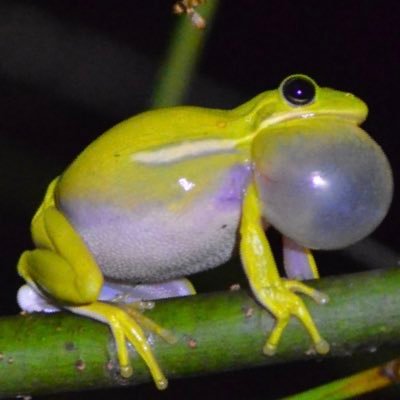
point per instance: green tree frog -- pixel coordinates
(173, 191)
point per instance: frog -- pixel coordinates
(175, 191)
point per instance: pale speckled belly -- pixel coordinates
(157, 241)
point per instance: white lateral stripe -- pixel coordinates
(184, 150)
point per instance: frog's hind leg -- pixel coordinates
(64, 269)
(115, 291)
(123, 328)
(136, 298)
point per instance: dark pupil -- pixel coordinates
(298, 91)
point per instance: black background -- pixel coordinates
(71, 69)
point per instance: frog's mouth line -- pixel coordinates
(351, 118)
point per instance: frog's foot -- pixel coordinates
(134, 310)
(299, 287)
(283, 303)
(126, 327)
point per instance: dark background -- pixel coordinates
(71, 69)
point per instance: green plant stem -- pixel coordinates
(219, 331)
(182, 57)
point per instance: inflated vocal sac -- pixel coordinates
(322, 182)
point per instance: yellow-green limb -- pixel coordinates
(276, 294)
(184, 50)
(355, 385)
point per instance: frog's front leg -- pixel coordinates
(272, 291)
(63, 268)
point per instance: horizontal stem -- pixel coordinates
(219, 331)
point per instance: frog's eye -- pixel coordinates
(298, 90)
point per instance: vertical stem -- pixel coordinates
(182, 57)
